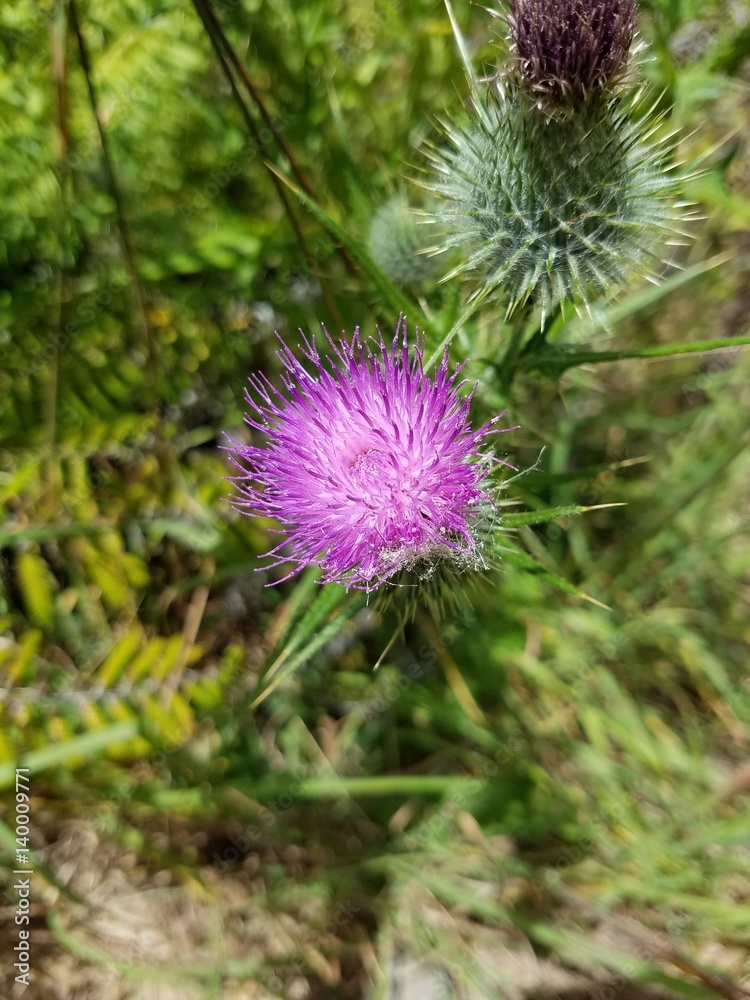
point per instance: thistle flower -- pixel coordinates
(557, 208)
(568, 50)
(396, 243)
(370, 464)
(550, 194)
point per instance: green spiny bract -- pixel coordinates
(554, 208)
(441, 583)
(396, 242)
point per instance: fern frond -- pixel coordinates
(37, 588)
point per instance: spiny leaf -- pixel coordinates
(285, 666)
(549, 514)
(522, 560)
(553, 360)
(331, 595)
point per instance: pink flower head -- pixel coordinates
(370, 464)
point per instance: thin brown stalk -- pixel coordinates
(220, 40)
(242, 73)
(126, 238)
(58, 55)
(215, 35)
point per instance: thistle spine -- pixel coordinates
(556, 187)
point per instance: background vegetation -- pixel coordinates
(559, 806)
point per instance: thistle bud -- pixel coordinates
(550, 206)
(569, 50)
(396, 242)
(554, 209)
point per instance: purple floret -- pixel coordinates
(370, 465)
(569, 49)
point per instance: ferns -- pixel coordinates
(151, 685)
(78, 581)
(37, 588)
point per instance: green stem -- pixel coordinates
(559, 359)
(509, 363)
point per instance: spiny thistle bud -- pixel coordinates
(568, 50)
(371, 465)
(396, 242)
(554, 207)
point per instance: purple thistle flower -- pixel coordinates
(569, 49)
(371, 465)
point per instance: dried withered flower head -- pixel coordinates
(567, 50)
